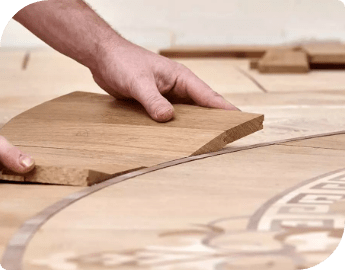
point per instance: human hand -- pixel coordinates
(125, 70)
(13, 159)
(121, 68)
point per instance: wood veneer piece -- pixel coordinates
(326, 53)
(92, 137)
(284, 61)
(67, 176)
(236, 51)
(214, 51)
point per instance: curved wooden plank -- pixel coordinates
(85, 138)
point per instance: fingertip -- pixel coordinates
(222, 103)
(26, 162)
(164, 114)
(14, 159)
(231, 107)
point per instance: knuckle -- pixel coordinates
(152, 99)
(216, 94)
(182, 69)
(136, 83)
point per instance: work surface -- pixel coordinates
(267, 201)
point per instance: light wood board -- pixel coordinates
(234, 51)
(283, 61)
(221, 75)
(314, 81)
(288, 113)
(292, 114)
(91, 137)
(207, 214)
(327, 53)
(228, 76)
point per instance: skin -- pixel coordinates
(121, 68)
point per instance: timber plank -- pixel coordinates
(325, 53)
(283, 61)
(84, 133)
(233, 51)
(316, 80)
(213, 51)
(222, 75)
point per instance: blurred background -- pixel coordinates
(163, 23)
(32, 73)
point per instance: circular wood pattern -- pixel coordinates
(184, 215)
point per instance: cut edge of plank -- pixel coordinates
(68, 176)
(232, 135)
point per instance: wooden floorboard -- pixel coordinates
(199, 192)
(190, 219)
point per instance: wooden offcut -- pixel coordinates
(213, 51)
(84, 138)
(234, 51)
(66, 175)
(284, 61)
(326, 53)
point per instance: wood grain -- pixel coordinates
(301, 104)
(206, 213)
(67, 176)
(283, 61)
(87, 133)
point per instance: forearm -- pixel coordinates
(71, 27)
(121, 68)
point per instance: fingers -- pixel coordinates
(13, 159)
(158, 107)
(201, 93)
(145, 91)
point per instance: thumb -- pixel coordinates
(13, 159)
(157, 106)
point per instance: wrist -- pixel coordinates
(106, 44)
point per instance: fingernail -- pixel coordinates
(164, 114)
(26, 161)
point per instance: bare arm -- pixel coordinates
(118, 66)
(69, 26)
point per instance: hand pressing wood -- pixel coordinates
(85, 138)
